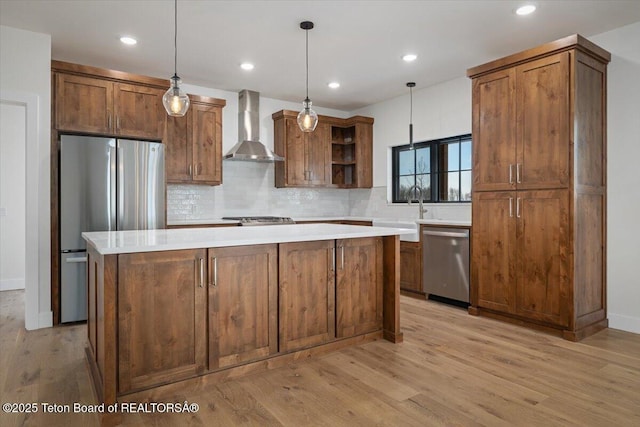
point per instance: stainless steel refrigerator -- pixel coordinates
(106, 184)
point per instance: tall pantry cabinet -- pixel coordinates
(539, 188)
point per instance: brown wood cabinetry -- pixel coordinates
(411, 267)
(307, 155)
(307, 294)
(96, 105)
(161, 317)
(194, 143)
(539, 187)
(359, 284)
(243, 304)
(339, 153)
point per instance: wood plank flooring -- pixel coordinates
(452, 370)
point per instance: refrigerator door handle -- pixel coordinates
(112, 181)
(77, 259)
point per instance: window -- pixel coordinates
(440, 168)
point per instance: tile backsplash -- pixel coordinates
(248, 190)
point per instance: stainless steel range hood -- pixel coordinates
(249, 147)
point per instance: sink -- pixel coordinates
(399, 223)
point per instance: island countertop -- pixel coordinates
(133, 241)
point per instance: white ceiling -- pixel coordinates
(358, 43)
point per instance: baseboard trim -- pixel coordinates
(11, 284)
(624, 323)
(45, 319)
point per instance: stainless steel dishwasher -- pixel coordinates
(445, 260)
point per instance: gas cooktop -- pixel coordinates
(261, 220)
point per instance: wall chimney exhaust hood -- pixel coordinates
(249, 148)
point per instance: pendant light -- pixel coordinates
(175, 100)
(307, 118)
(411, 85)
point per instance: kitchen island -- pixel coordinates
(204, 304)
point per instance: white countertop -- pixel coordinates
(178, 222)
(121, 242)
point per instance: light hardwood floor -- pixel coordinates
(452, 370)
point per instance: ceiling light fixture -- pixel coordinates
(128, 40)
(411, 85)
(410, 57)
(307, 118)
(334, 85)
(175, 100)
(525, 10)
(247, 66)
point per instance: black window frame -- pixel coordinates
(433, 196)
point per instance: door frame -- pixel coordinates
(32, 316)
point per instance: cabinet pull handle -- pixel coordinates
(510, 173)
(510, 207)
(117, 122)
(341, 257)
(518, 178)
(202, 272)
(198, 168)
(518, 207)
(189, 170)
(333, 258)
(215, 271)
(108, 119)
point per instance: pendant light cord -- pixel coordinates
(411, 106)
(307, 58)
(175, 39)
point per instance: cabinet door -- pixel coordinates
(543, 268)
(83, 104)
(161, 317)
(243, 304)
(318, 156)
(358, 286)
(410, 267)
(295, 156)
(206, 140)
(494, 138)
(307, 294)
(364, 156)
(493, 273)
(139, 112)
(178, 153)
(543, 123)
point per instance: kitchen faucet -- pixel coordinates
(417, 189)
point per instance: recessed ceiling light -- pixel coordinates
(128, 40)
(410, 57)
(526, 9)
(247, 66)
(334, 85)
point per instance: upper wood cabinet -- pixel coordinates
(539, 132)
(95, 101)
(521, 126)
(161, 317)
(243, 304)
(194, 143)
(338, 153)
(307, 154)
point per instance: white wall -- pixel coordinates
(623, 186)
(438, 111)
(25, 74)
(12, 196)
